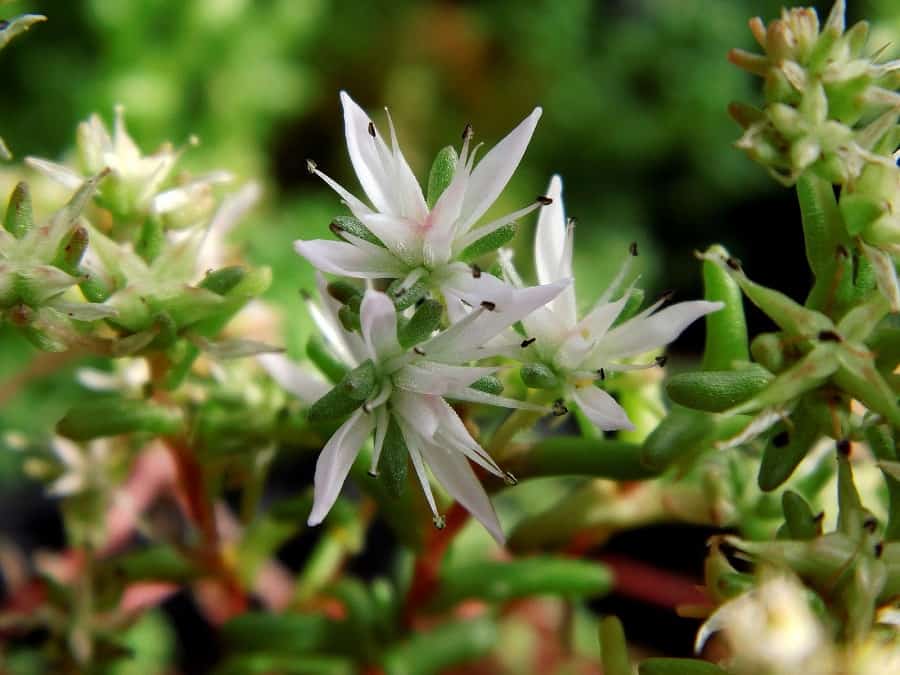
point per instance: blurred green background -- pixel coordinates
(634, 95)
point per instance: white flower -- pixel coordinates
(770, 628)
(420, 243)
(581, 351)
(84, 468)
(411, 389)
(135, 184)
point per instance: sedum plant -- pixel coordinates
(426, 335)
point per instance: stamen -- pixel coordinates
(439, 521)
(623, 272)
(482, 231)
(602, 373)
(311, 166)
(468, 132)
(527, 342)
(661, 360)
(843, 447)
(419, 351)
(488, 305)
(372, 129)
(509, 479)
(633, 248)
(559, 408)
(476, 271)
(543, 200)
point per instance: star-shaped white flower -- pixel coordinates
(411, 388)
(419, 242)
(581, 351)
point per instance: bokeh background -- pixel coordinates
(634, 95)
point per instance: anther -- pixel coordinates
(311, 166)
(781, 440)
(419, 351)
(559, 408)
(543, 199)
(633, 248)
(439, 522)
(843, 447)
(571, 222)
(602, 373)
(527, 342)
(819, 517)
(420, 302)
(661, 360)
(666, 296)
(870, 524)
(476, 271)
(467, 132)
(733, 263)
(879, 549)
(841, 251)
(509, 479)
(372, 129)
(488, 305)
(829, 336)
(373, 473)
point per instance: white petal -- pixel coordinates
(365, 156)
(640, 335)
(338, 257)
(416, 411)
(428, 377)
(453, 471)
(57, 172)
(349, 346)
(550, 236)
(291, 376)
(335, 461)
(601, 409)
(406, 189)
(414, 445)
(378, 320)
(400, 235)
(494, 171)
(453, 434)
(68, 452)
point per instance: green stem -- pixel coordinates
(500, 446)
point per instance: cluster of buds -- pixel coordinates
(828, 103)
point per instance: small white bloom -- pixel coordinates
(419, 242)
(84, 468)
(411, 388)
(583, 351)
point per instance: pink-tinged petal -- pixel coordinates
(428, 377)
(453, 471)
(350, 260)
(453, 434)
(416, 412)
(406, 189)
(366, 156)
(378, 320)
(640, 335)
(294, 378)
(602, 409)
(494, 171)
(400, 235)
(550, 236)
(335, 461)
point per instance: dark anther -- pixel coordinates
(372, 129)
(419, 351)
(420, 301)
(843, 447)
(488, 305)
(335, 229)
(632, 248)
(527, 342)
(543, 199)
(733, 263)
(879, 549)
(870, 524)
(829, 336)
(602, 373)
(667, 296)
(559, 409)
(661, 360)
(467, 132)
(311, 166)
(819, 517)
(842, 252)
(476, 271)
(781, 439)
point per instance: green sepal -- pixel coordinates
(614, 656)
(72, 251)
(393, 464)
(670, 666)
(489, 243)
(768, 350)
(324, 359)
(344, 292)
(539, 376)
(541, 575)
(44, 340)
(222, 281)
(680, 433)
(151, 240)
(167, 331)
(94, 288)
(787, 449)
(349, 319)
(347, 395)
(489, 384)
(852, 515)
(824, 236)
(858, 377)
(160, 562)
(422, 324)
(726, 330)
(441, 174)
(19, 214)
(404, 297)
(798, 517)
(342, 225)
(717, 391)
(111, 416)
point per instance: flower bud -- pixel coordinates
(539, 376)
(347, 395)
